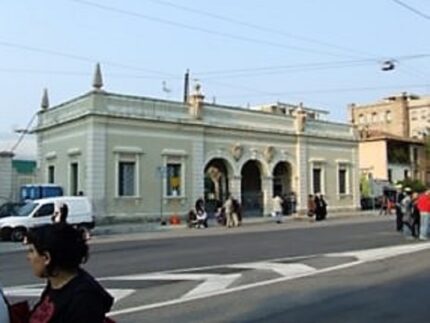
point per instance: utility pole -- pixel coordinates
(186, 85)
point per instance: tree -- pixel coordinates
(414, 184)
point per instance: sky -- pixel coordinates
(324, 53)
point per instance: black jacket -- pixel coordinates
(81, 300)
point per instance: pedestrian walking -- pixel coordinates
(407, 208)
(230, 213)
(55, 253)
(311, 206)
(320, 207)
(277, 208)
(399, 214)
(423, 204)
(415, 215)
(384, 210)
(60, 213)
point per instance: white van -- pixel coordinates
(39, 212)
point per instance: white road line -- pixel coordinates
(116, 293)
(285, 270)
(363, 256)
(212, 285)
(382, 253)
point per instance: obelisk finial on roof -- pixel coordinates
(98, 80)
(45, 100)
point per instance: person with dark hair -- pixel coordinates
(320, 207)
(201, 214)
(56, 252)
(60, 214)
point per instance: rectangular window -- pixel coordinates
(126, 178)
(74, 179)
(415, 154)
(342, 180)
(390, 175)
(51, 174)
(173, 179)
(316, 179)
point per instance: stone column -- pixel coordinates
(197, 168)
(302, 174)
(267, 188)
(355, 178)
(235, 187)
(96, 159)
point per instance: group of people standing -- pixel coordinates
(317, 207)
(227, 213)
(413, 213)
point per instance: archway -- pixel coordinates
(282, 186)
(252, 196)
(216, 184)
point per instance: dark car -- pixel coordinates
(9, 208)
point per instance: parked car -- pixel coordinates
(40, 191)
(9, 208)
(39, 212)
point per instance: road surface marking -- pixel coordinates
(362, 256)
(286, 270)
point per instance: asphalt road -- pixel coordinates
(276, 273)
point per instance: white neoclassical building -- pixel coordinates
(142, 157)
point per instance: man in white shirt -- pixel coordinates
(277, 208)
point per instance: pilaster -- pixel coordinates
(302, 174)
(96, 159)
(197, 168)
(267, 188)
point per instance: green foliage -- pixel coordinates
(414, 184)
(398, 155)
(427, 147)
(365, 188)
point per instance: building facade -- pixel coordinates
(14, 173)
(393, 137)
(142, 157)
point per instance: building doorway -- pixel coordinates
(252, 195)
(282, 186)
(215, 184)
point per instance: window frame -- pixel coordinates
(74, 162)
(346, 167)
(50, 176)
(174, 159)
(318, 164)
(125, 157)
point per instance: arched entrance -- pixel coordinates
(252, 196)
(216, 184)
(282, 186)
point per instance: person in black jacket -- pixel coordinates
(55, 252)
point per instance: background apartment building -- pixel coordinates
(393, 137)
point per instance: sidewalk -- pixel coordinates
(126, 228)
